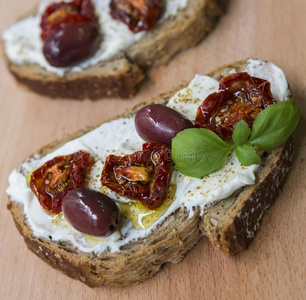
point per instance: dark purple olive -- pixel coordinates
(160, 123)
(90, 212)
(71, 44)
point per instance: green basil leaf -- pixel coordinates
(274, 125)
(247, 155)
(241, 133)
(198, 152)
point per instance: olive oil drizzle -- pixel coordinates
(142, 217)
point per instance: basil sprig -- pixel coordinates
(274, 125)
(198, 152)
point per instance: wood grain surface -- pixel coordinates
(274, 267)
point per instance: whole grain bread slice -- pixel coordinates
(230, 227)
(120, 75)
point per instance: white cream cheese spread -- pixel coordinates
(119, 137)
(23, 44)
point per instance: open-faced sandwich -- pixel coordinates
(92, 48)
(111, 204)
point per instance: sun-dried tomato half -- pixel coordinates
(240, 97)
(60, 14)
(56, 177)
(139, 15)
(144, 175)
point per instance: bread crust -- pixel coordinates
(229, 229)
(121, 75)
(232, 229)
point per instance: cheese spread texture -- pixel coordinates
(23, 44)
(119, 137)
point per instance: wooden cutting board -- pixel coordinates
(274, 265)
